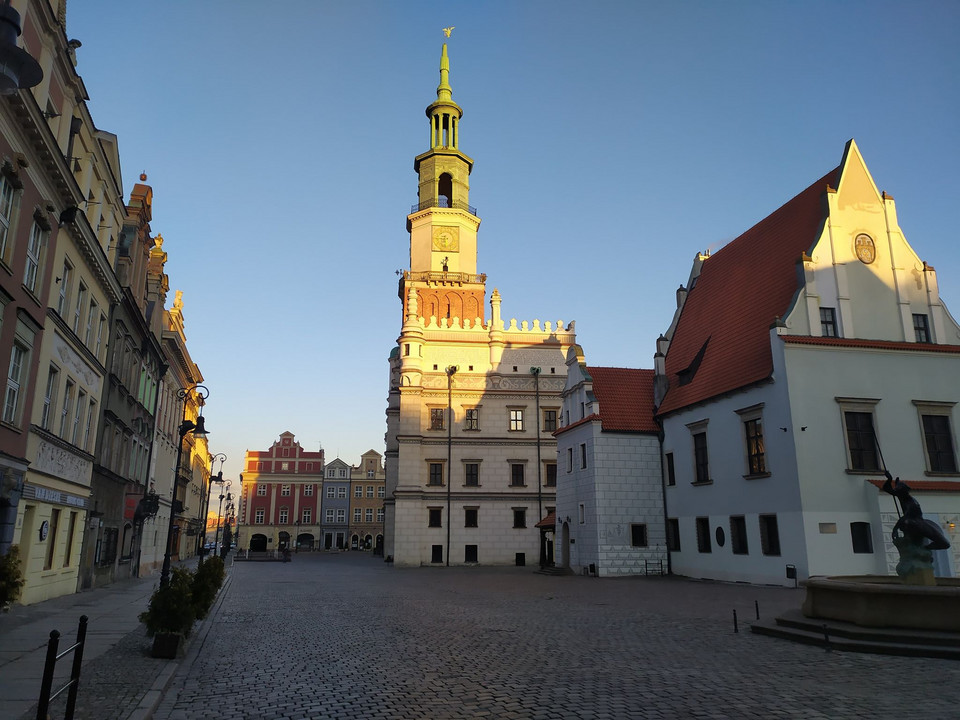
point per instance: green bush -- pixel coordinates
(11, 575)
(172, 607)
(206, 582)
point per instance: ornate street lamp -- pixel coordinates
(216, 535)
(18, 69)
(219, 479)
(198, 430)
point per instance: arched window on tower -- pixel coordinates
(445, 191)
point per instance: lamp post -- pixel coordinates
(206, 514)
(216, 535)
(296, 547)
(451, 371)
(198, 430)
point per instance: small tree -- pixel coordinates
(171, 608)
(11, 575)
(206, 582)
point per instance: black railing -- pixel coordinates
(442, 202)
(46, 685)
(450, 277)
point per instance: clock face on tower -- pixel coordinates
(446, 239)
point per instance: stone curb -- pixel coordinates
(151, 698)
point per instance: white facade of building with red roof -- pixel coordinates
(805, 357)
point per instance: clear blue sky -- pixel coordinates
(612, 141)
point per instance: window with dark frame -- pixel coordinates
(756, 462)
(769, 535)
(472, 474)
(516, 420)
(583, 456)
(703, 535)
(516, 475)
(549, 420)
(470, 517)
(861, 537)
(638, 535)
(939, 442)
(471, 420)
(828, 322)
(861, 440)
(551, 475)
(435, 517)
(436, 474)
(519, 517)
(738, 535)
(921, 328)
(673, 534)
(436, 553)
(671, 472)
(701, 463)
(470, 553)
(436, 418)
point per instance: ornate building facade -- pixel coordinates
(473, 400)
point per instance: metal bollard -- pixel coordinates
(735, 628)
(756, 606)
(826, 637)
(47, 683)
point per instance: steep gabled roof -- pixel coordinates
(626, 398)
(722, 341)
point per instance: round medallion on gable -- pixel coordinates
(865, 249)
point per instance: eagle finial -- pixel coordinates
(447, 31)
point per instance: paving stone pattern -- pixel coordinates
(345, 636)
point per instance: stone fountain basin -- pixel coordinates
(885, 601)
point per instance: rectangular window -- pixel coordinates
(308, 490)
(66, 407)
(284, 467)
(921, 328)
(306, 516)
(436, 553)
(358, 491)
(52, 538)
(342, 492)
(738, 535)
(101, 326)
(470, 553)
(371, 474)
(861, 441)
(671, 472)
(769, 535)
(436, 474)
(331, 491)
(471, 474)
(48, 397)
(71, 531)
(77, 416)
(860, 534)
(357, 515)
(261, 490)
(7, 196)
(342, 515)
(939, 443)
(700, 459)
(569, 459)
(284, 491)
(369, 491)
(16, 374)
(380, 514)
(582, 513)
(519, 517)
(638, 535)
(435, 517)
(64, 281)
(516, 420)
(436, 418)
(368, 515)
(583, 456)
(258, 516)
(828, 322)
(34, 249)
(78, 310)
(549, 420)
(703, 535)
(470, 517)
(381, 491)
(284, 515)
(329, 516)
(756, 464)
(551, 473)
(673, 535)
(92, 315)
(516, 475)
(471, 420)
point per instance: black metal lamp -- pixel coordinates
(18, 68)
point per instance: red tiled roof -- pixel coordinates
(589, 418)
(868, 344)
(548, 522)
(741, 290)
(924, 485)
(626, 398)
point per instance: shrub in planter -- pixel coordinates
(206, 582)
(171, 608)
(11, 575)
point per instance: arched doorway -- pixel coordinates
(305, 541)
(258, 543)
(284, 540)
(368, 542)
(354, 542)
(378, 548)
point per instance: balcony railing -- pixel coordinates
(443, 202)
(444, 277)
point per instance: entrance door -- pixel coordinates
(258, 543)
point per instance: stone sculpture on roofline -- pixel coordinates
(910, 536)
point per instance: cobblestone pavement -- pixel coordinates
(345, 636)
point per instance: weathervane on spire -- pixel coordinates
(447, 31)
